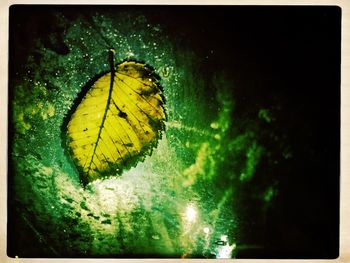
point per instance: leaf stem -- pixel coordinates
(111, 53)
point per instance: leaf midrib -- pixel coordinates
(104, 115)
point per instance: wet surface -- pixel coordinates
(237, 158)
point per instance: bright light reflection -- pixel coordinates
(191, 213)
(225, 251)
(206, 230)
(224, 238)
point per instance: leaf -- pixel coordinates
(118, 122)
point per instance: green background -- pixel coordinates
(248, 165)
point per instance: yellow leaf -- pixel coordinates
(118, 121)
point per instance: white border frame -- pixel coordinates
(345, 122)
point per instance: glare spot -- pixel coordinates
(225, 251)
(214, 125)
(223, 238)
(155, 237)
(217, 136)
(130, 54)
(191, 213)
(206, 230)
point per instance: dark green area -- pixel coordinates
(251, 147)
